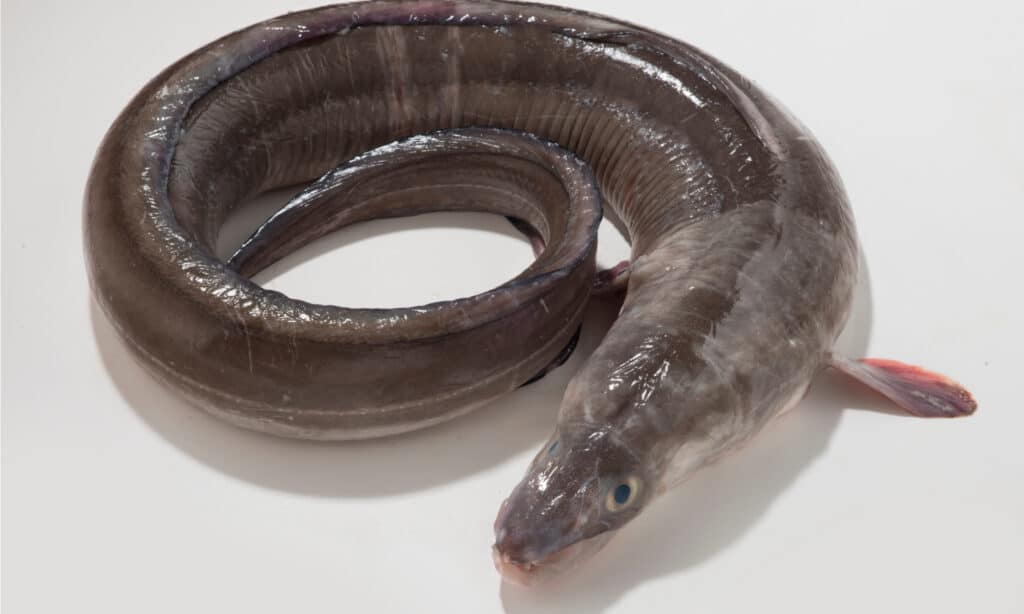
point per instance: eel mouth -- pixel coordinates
(532, 573)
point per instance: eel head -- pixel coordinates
(581, 487)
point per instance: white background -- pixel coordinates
(117, 497)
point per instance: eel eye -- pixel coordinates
(622, 495)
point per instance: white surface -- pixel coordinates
(119, 498)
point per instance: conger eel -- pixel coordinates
(743, 261)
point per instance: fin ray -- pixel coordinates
(918, 391)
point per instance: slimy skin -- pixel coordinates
(743, 246)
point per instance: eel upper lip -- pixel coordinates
(516, 572)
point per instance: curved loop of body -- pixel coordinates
(743, 247)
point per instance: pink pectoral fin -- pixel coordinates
(919, 392)
(610, 281)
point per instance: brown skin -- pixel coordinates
(743, 244)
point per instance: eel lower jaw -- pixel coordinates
(532, 573)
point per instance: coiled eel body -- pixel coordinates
(743, 247)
